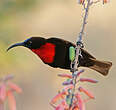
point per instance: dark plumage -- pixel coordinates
(55, 52)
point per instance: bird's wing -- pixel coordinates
(58, 40)
(87, 54)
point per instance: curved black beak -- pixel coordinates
(15, 45)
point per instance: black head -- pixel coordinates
(31, 43)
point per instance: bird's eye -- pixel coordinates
(28, 44)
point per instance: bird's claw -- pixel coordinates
(80, 54)
(79, 43)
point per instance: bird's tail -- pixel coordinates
(101, 66)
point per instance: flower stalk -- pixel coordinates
(78, 49)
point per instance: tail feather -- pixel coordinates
(101, 66)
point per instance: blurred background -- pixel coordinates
(21, 19)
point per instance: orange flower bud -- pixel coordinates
(86, 92)
(58, 97)
(14, 87)
(71, 86)
(88, 80)
(105, 1)
(65, 75)
(11, 100)
(2, 92)
(81, 104)
(81, 1)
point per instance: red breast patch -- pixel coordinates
(46, 52)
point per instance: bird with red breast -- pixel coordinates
(55, 53)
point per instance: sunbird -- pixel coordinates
(55, 53)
